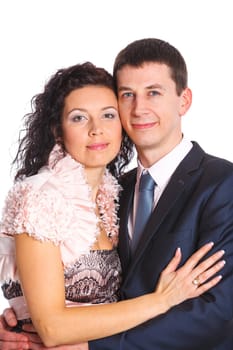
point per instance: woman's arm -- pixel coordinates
(42, 278)
(10, 340)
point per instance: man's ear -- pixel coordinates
(185, 100)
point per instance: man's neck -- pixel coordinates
(149, 156)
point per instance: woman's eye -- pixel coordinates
(78, 118)
(109, 115)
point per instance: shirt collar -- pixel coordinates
(163, 169)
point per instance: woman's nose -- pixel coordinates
(96, 129)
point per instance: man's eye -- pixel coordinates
(127, 94)
(154, 93)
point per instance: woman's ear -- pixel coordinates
(56, 134)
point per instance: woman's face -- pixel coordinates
(91, 126)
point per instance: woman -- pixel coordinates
(62, 216)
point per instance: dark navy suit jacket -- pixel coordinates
(196, 207)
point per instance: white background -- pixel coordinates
(39, 37)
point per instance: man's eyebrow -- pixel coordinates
(123, 88)
(149, 87)
(155, 86)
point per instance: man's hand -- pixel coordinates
(11, 340)
(25, 340)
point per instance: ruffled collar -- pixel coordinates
(73, 174)
(55, 205)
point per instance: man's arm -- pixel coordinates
(156, 335)
(204, 322)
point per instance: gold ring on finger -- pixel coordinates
(196, 282)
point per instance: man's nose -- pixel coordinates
(140, 106)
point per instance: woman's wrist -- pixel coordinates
(158, 304)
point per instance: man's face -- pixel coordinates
(150, 109)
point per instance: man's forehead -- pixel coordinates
(148, 76)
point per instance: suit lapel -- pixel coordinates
(126, 203)
(166, 203)
(183, 180)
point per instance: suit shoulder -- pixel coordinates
(197, 158)
(217, 172)
(218, 165)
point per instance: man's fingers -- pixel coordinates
(8, 345)
(10, 317)
(28, 327)
(34, 338)
(11, 340)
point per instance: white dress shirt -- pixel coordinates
(161, 172)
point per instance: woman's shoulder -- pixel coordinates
(35, 206)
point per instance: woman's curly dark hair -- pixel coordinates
(43, 124)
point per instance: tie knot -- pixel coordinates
(146, 182)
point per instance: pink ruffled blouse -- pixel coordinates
(55, 205)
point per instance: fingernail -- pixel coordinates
(221, 252)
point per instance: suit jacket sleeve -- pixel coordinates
(205, 322)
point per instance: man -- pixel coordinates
(192, 203)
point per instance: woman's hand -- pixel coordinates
(192, 279)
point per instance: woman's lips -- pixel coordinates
(97, 146)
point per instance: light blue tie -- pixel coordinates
(144, 209)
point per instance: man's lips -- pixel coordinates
(97, 146)
(144, 125)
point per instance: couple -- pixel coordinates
(192, 205)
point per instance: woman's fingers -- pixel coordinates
(192, 264)
(206, 286)
(203, 281)
(198, 255)
(173, 264)
(193, 278)
(202, 274)
(208, 263)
